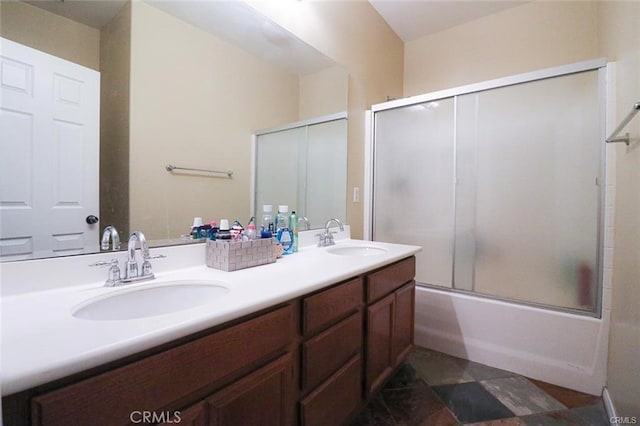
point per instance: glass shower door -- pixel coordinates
(501, 187)
(413, 199)
(527, 194)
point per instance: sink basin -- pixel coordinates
(356, 251)
(153, 300)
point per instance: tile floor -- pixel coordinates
(433, 389)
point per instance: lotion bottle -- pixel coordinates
(293, 225)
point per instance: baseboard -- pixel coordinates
(608, 405)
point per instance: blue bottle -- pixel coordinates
(285, 237)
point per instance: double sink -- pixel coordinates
(167, 297)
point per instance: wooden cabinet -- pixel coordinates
(313, 361)
(263, 398)
(337, 399)
(325, 353)
(380, 323)
(390, 321)
(331, 376)
(329, 306)
(157, 383)
(196, 415)
(405, 299)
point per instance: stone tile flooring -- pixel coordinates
(433, 389)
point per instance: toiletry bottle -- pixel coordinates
(236, 231)
(293, 225)
(266, 229)
(285, 238)
(250, 232)
(204, 231)
(214, 230)
(197, 223)
(223, 233)
(282, 218)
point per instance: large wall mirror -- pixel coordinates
(185, 83)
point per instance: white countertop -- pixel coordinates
(42, 341)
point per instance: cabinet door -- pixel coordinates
(196, 415)
(404, 320)
(380, 325)
(264, 397)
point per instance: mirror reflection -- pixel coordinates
(303, 166)
(171, 92)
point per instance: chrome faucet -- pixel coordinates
(326, 238)
(110, 233)
(131, 271)
(306, 221)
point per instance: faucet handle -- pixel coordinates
(322, 237)
(146, 268)
(114, 274)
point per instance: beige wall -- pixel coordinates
(620, 42)
(50, 33)
(355, 36)
(324, 92)
(195, 102)
(524, 38)
(115, 54)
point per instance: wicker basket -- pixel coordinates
(235, 255)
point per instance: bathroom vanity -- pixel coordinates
(311, 353)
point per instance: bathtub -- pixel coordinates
(564, 349)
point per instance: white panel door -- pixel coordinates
(49, 154)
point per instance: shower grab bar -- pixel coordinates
(626, 139)
(171, 168)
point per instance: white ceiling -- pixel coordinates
(236, 22)
(412, 19)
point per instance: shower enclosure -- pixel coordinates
(501, 183)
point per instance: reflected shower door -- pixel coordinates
(326, 178)
(304, 167)
(413, 201)
(277, 173)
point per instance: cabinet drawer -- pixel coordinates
(328, 351)
(157, 382)
(386, 280)
(333, 403)
(325, 308)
